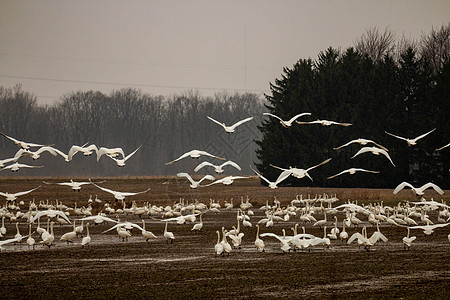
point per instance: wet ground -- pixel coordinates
(111, 268)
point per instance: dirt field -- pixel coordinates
(110, 268)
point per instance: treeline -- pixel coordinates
(128, 118)
(379, 85)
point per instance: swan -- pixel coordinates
(334, 231)
(274, 185)
(98, 219)
(123, 233)
(320, 223)
(418, 191)
(18, 235)
(111, 152)
(147, 234)
(16, 166)
(11, 197)
(85, 150)
(285, 247)
(121, 161)
(288, 123)
(439, 149)
(194, 154)
(259, 243)
(199, 226)
(36, 154)
(429, 229)
(30, 240)
(49, 238)
(411, 142)
(324, 123)
(343, 235)
(168, 235)
(86, 241)
(75, 185)
(79, 229)
(231, 129)
(227, 180)
(362, 239)
(377, 235)
(120, 195)
(69, 236)
(217, 168)
(323, 241)
(236, 240)
(407, 241)
(21, 144)
(300, 173)
(3, 228)
(375, 151)
(218, 248)
(362, 142)
(226, 246)
(50, 213)
(5, 161)
(195, 184)
(352, 171)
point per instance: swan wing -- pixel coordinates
(424, 135)
(279, 168)
(203, 164)
(439, 149)
(26, 192)
(432, 185)
(208, 154)
(343, 172)
(402, 186)
(209, 177)
(276, 117)
(135, 193)
(280, 238)
(215, 121)
(322, 163)
(355, 236)
(187, 176)
(181, 157)
(132, 153)
(282, 176)
(231, 163)
(241, 122)
(260, 176)
(345, 145)
(396, 136)
(297, 116)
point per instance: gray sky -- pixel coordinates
(167, 47)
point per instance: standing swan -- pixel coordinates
(407, 241)
(198, 227)
(259, 243)
(343, 235)
(168, 235)
(147, 234)
(30, 239)
(218, 248)
(86, 241)
(18, 235)
(225, 244)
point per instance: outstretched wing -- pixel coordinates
(298, 116)
(439, 149)
(132, 153)
(181, 157)
(241, 122)
(336, 175)
(401, 186)
(276, 117)
(322, 163)
(432, 185)
(260, 176)
(26, 192)
(203, 164)
(345, 145)
(215, 121)
(396, 136)
(231, 163)
(187, 176)
(208, 154)
(424, 135)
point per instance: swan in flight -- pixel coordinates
(16, 166)
(324, 123)
(21, 144)
(227, 180)
(36, 154)
(5, 161)
(217, 168)
(375, 151)
(75, 185)
(418, 191)
(121, 161)
(273, 185)
(300, 173)
(98, 219)
(51, 213)
(194, 154)
(111, 152)
(411, 142)
(429, 229)
(361, 142)
(230, 129)
(8, 241)
(120, 195)
(85, 150)
(443, 147)
(195, 184)
(11, 197)
(352, 171)
(288, 123)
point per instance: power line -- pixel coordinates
(129, 84)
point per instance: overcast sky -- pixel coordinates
(167, 47)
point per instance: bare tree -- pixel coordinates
(375, 44)
(435, 47)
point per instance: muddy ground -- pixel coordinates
(110, 268)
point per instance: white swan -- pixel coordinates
(30, 240)
(111, 152)
(411, 142)
(194, 154)
(227, 180)
(300, 173)
(236, 240)
(259, 243)
(79, 229)
(199, 226)
(3, 228)
(285, 247)
(168, 235)
(98, 219)
(9, 241)
(120, 195)
(121, 161)
(226, 246)
(343, 235)
(362, 239)
(36, 154)
(50, 213)
(86, 241)
(375, 151)
(75, 185)
(288, 123)
(274, 185)
(49, 238)
(69, 236)
(407, 241)
(418, 191)
(324, 123)
(11, 197)
(361, 142)
(16, 166)
(377, 235)
(231, 129)
(352, 171)
(217, 168)
(429, 229)
(85, 150)
(320, 223)
(5, 161)
(147, 234)
(195, 184)
(18, 235)
(21, 144)
(218, 248)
